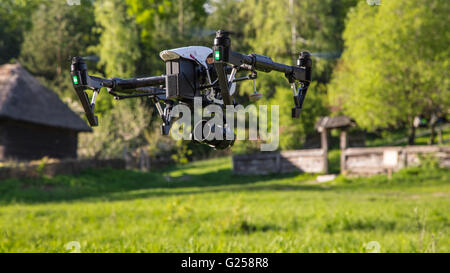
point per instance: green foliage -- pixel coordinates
(246, 147)
(41, 166)
(293, 131)
(334, 161)
(182, 152)
(397, 137)
(391, 70)
(119, 45)
(118, 49)
(59, 31)
(203, 207)
(157, 16)
(164, 24)
(429, 162)
(220, 18)
(159, 144)
(120, 128)
(15, 18)
(294, 26)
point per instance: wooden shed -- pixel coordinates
(34, 122)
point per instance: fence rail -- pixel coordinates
(368, 161)
(354, 161)
(311, 161)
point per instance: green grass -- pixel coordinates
(202, 207)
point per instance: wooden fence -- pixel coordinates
(311, 161)
(354, 161)
(56, 167)
(369, 161)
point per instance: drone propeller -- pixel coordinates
(92, 58)
(326, 55)
(319, 55)
(206, 33)
(201, 32)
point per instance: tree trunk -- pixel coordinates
(433, 134)
(412, 135)
(440, 136)
(293, 29)
(180, 17)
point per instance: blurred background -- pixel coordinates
(381, 79)
(382, 63)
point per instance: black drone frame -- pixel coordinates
(224, 56)
(185, 80)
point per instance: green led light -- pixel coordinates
(217, 54)
(75, 79)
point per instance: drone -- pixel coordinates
(194, 72)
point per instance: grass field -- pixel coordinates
(202, 207)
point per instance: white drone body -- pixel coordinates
(196, 53)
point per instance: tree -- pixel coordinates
(123, 127)
(281, 29)
(228, 15)
(15, 19)
(294, 26)
(118, 48)
(58, 32)
(392, 68)
(164, 24)
(293, 131)
(119, 45)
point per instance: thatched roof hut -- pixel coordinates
(34, 122)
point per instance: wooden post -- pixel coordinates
(126, 157)
(440, 136)
(278, 162)
(389, 173)
(144, 164)
(324, 144)
(343, 146)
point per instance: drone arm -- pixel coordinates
(81, 81)
(118, 84)
(257, 62)
(302, 72)
(134, 87)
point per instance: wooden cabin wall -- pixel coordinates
(28, 141)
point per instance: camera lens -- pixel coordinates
(213, 135)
